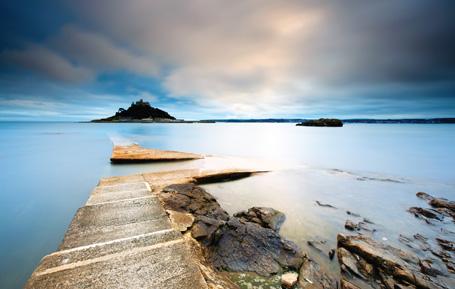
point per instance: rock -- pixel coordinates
(437, 202)
(442, 203)
(363, 258)
(248, 243)
(331, 122)
(288, 280)
(424, 196)
(443, 206)
(351, 226)
(311, 277)
(425, 213)
(316, 244)
(205, 229)
(265, 217)
(325, 205)
(352, 214)
(192, 199)
(180, 221)
(247, 247)
(446, 245)
(345, 284)
(331, 254)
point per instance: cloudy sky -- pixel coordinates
(78, 60)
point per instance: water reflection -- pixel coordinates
(49, 169)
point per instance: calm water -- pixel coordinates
(49, 169)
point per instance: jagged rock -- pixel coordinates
(205, 229)
(425, 213)
(443, 206)
(312, 277)
(332, 122)
(446, 244)
(192, 199)
(289, 279)
(247, 247)
(231, 243)
(383, 265)
(437, 202)
(265, 217)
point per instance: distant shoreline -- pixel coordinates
(446, 120)
(290, 120)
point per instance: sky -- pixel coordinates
(202, 59)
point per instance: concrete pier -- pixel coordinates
(122, 238)
(137, 154)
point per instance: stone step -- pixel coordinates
(97, 250)
(121, 187)
(116, 196)
(163, 265)
(114, 220)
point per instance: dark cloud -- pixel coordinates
(248, 57)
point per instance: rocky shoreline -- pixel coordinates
(249, 242)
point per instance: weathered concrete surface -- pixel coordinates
(122, 238)
(136, 154)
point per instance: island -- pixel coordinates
(140, 111)
(326, 122)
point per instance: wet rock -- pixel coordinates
(425, 213)
(442, 205)
(351, 226)
(362, 258)
(288, 280)
(180, 221)
(316, 244)
(446, 244)
(311, 277)
(331, 254)
(325, 205)
(247, 247)
(192, 199)
(204, 229)
(248, 243)
(352, 214)
(426, 267)
(345, 284)
(264, 217)
(365, 220)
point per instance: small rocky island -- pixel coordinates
(140, 111)
(329, 122)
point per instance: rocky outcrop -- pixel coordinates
(139, 110)
(440, 205)
(264, 217)
(329, 122)
(247, 243)
(363, 260)
(248, 247)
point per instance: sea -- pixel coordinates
(48, 169)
